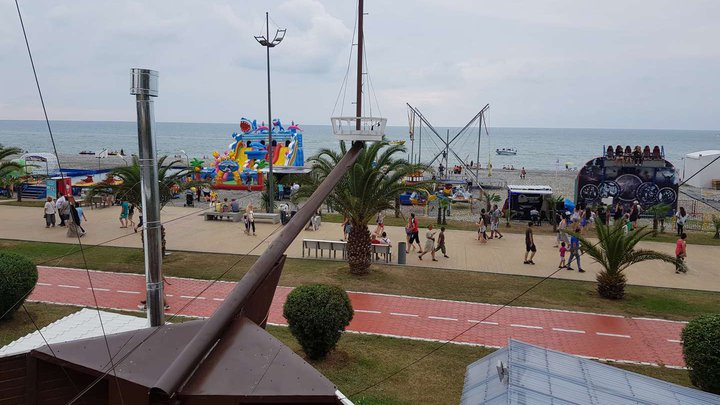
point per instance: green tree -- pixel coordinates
(554, 200)
(9, 169)
(615, 251)
(130, 189)
(19, 276)
(659, 212)
(370, 186)
(702, 353)
(716, 224)
(317, 315)
(490, 199)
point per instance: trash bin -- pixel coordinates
(401, 253)
(283, 217)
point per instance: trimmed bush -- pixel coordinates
(317, 315)
(18, 275)
(701, 349)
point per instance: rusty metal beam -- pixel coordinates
(190, 358)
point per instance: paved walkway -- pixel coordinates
(593, 335)
(186, 230)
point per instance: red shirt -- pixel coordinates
(679, 247)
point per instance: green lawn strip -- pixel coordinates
(360, 361)
(17, 325)
(24, 203)
(694, 237)
(459, 285)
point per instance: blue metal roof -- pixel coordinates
(535, 375)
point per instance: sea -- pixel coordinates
(537, 148)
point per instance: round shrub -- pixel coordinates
(18, 275)
(701, 349)
(317, 315)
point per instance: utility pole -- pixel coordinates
(145, 87)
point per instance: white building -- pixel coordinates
(695, 161)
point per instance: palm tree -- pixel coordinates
(716, 224)
(370, 186)
(659, 213)
(130, 189)
(615, 252)
(554, 200)
(443, 204)
(8, 168)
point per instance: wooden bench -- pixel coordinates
(266, 217)
(384, 250)
(232, 216)
(333, 246)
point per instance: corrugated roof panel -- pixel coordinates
(541, 376)
(79, 325)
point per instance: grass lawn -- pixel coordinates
(695, 237)
(24, 203)
(406, 280)
(359, 361)
(18, 325)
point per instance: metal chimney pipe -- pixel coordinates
(145, 86)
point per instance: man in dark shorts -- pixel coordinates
(530, 248)
(414, 233)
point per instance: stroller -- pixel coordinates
(189, 198)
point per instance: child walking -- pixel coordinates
(441, 242)
(563, 250)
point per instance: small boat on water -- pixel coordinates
(397, 142)
(87, 152)
(506, 151)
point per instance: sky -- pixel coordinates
(552, 63)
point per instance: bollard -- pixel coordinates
(401, 253)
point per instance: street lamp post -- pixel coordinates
(187, 158)
(265, 41)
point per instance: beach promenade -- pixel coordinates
(186, 230)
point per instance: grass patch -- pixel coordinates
(18, 325)
(24, 203)
(675, 376)
(460, 285)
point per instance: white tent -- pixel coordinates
(44, 163)
(694, 162)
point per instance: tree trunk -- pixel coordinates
(397, 207)
(444, 221)
(611, 286)
(439, 218)
(359, 249)
(655, 225)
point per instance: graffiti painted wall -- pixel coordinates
(650, 184)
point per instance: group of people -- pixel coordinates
(233, 206)
(489, 220)
(633, 155)
(70, 213)
(434, 241)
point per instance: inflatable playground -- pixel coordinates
(244, 164)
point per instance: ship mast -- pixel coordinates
(358, 96)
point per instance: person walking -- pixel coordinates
(562, 230)
(429, 244)
(250, 218)
(131, 214)
(530, 248)
(124, 212)
(619, 213)
(50, 213)
(482, 227)
(681, 253)
(635, 213)
(412, 227)
(60, 206)
(562, 250)
(682, 217)
(575, 251)
(441, 242)
(346, 227)
(495, 216)
(523, 173)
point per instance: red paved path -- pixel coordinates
(592, 335)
